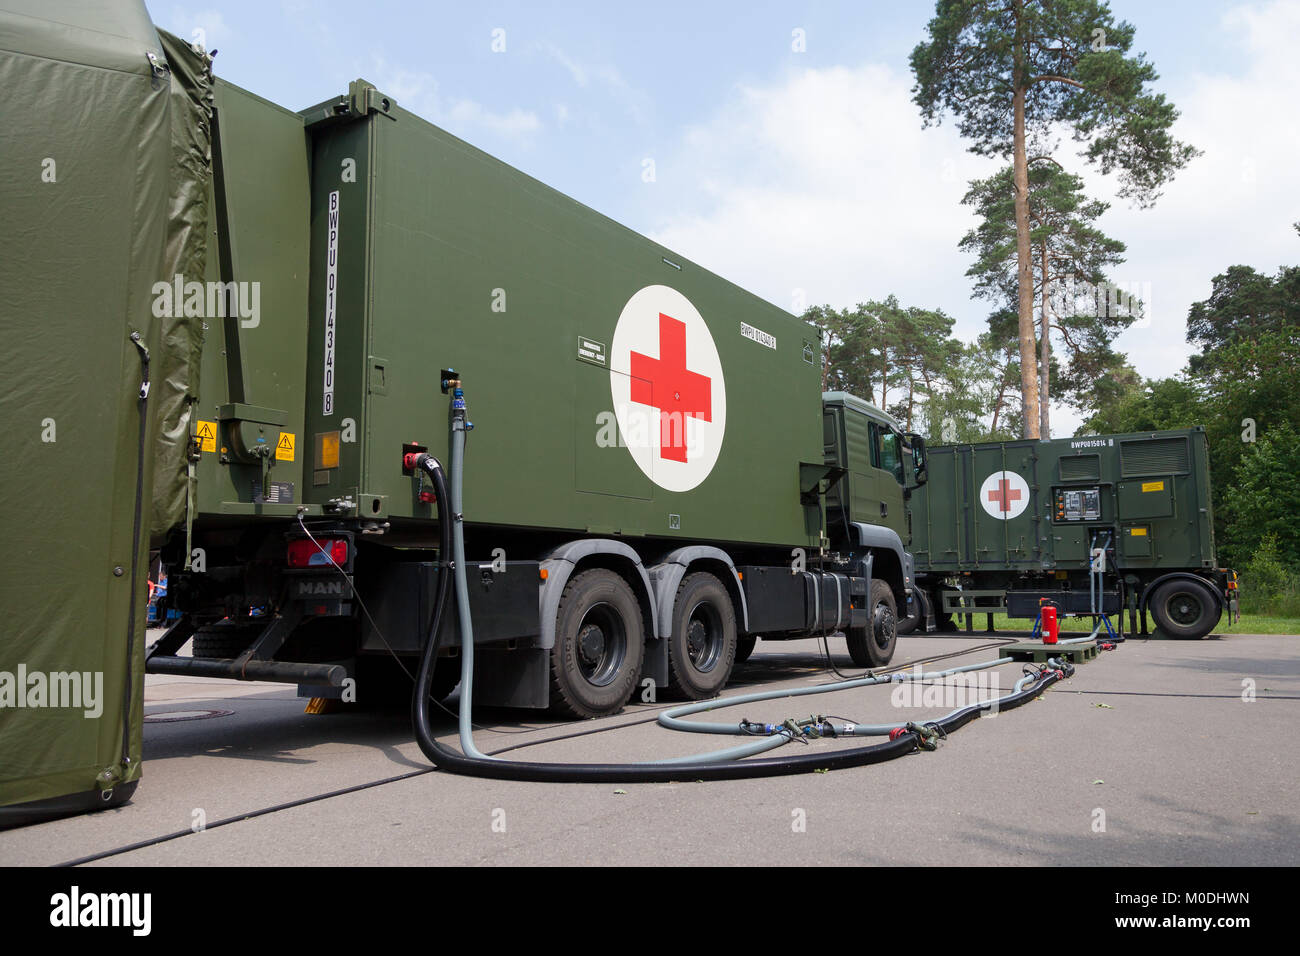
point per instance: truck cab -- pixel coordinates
(881, 464)
(877, 466)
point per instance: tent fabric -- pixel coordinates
(176, 369)
(89, 129)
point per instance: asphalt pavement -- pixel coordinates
(1159, 752)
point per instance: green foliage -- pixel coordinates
(1260, 512)
(1268, 584)
(1069, 260)
(894, 356)
(1243, 307)
(1129, 404)
(1071, 61)
(1244, 388)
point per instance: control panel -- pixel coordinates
(1076, 504)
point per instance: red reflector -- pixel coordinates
(305, 554)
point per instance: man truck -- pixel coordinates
(654, 481)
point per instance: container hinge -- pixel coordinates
(364, 98)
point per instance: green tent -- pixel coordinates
(103, 181)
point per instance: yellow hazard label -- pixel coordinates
(1138, 532)
(1153, 486)
(206, 433)
(284, 448)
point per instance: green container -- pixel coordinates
(1035, 506)
(616, 387)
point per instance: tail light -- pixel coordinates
(304, 553)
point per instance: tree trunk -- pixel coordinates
(1045, 363)
(884, 375)
(911, 397)
(1025, 271)
(997, 406)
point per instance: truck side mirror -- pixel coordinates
(919, 472)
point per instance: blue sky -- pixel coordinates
(803, 176)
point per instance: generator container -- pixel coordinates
(1002, 524)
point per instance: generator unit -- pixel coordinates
(1007, 525)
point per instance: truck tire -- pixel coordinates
(599, 645)
(745, 647)
(225, 639)
(702, 645)
(1185, 609)
(873, 645)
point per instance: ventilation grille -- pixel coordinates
(1081, 468)
(1157, 456)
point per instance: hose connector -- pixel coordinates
(927, 735)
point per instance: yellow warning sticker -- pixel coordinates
(1153, 486)
(1138, 532)
(206, 433)
(284, 448)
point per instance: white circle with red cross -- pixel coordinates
(665, 378)
(1004, 494)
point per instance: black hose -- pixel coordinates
(451, 760)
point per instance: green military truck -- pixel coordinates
(1001, 526)
(647, 490)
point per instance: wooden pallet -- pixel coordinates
(1039, 653)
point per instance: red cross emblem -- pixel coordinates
(1004, 494)
(665, 383)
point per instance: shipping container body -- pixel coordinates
(1007, 523)
(633, 414)
(425, 253)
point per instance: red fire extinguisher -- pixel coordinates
(1051, 627)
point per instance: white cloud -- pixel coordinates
(825, 181)
(1234, 204)
(607, 78)
(419, 92)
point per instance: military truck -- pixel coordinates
(1004, 526)
(648, 490)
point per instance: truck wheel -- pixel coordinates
(225, 639)
(702, 648)
(1185, 609)
(599, 645)
(745, 647)
(873, 645)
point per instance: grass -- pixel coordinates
(1249, 624)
